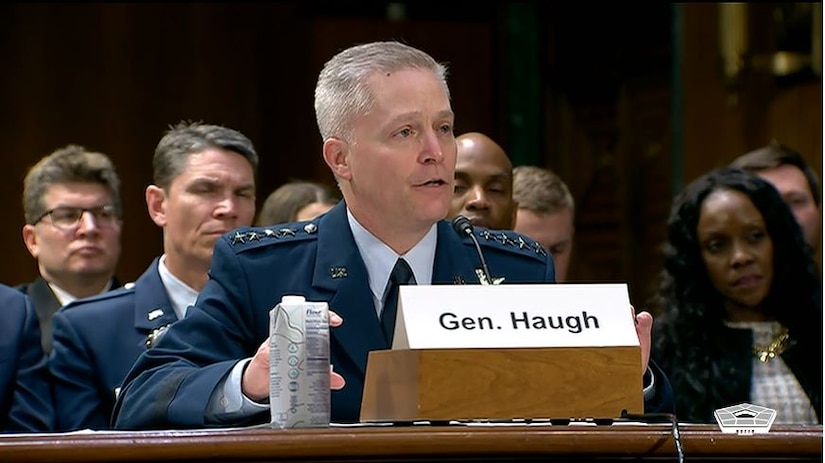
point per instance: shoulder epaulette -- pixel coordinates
(246, 238)
(128, 288)
(510, 241)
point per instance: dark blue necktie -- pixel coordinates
(401, 275)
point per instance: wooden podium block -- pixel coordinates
(502, 384)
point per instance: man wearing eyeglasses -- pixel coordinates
(71, 201)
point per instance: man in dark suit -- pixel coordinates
(204, 186)
(25, 398)
(71, 200)
(384, 114)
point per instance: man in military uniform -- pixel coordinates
(384, 114)
(204, 186)
(483, 183)
(545, 213)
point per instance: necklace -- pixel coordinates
(767, 353)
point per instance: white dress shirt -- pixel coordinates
(181, 295)
(380, 259)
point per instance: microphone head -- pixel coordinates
(462, 225)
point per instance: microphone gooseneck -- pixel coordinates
(463, 226)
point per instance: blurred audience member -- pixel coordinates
(71, 201)
(741, 303)
(787, 170)
(25, 397)
(545, 213)
(483, 183)
(297, 201)
(204, 186)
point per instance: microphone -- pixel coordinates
(463, 226)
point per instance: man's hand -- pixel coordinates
(644, 325)
(255, 381)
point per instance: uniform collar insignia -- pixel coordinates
(155, 336)
(338, 272)
(482, 278)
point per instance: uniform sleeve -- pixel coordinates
(660, 399)
(78, 403)
(31, 406)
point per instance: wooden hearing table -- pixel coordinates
(418, 443)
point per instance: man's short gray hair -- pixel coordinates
(342, 91)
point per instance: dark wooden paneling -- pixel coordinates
(114, 76)
(608, 123)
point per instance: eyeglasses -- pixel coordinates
(68, 218)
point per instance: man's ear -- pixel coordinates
(31, 241)
(156, 204)
(336, 155)
(514, 215)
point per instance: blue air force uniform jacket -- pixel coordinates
(25, 396)
(96, 341)
(46, 305)
(252, 268)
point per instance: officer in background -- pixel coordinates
(204, 186)
(483, 183)
(25, 398)
(546, 212)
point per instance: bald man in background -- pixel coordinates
(483, 183)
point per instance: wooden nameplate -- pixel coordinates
(502, 384)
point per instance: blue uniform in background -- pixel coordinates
(96, 341)
(26, 401)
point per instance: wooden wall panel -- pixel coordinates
(114, 76)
